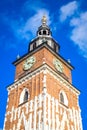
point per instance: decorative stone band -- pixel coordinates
(47, 69)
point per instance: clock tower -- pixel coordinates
(42, 96)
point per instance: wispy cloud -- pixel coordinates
(30, 20)
(24, 26)
(68, 10)
(32, 6)
(78, 24)
(30, 26)
(79, 32)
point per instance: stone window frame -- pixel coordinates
(63, 98)
(24, 98)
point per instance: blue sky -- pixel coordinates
(19, 21)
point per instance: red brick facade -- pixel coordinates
(52, 100)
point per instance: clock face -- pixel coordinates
(29, 63)
(58, 65)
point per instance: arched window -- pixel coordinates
(40, 33)
(63, 98)
(25, 96)
(44, 32)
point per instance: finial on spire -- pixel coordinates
(18, 56)
(44, 20)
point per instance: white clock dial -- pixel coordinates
(29, 63)
(58, 65)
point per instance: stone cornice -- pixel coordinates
(44, 45)
(40, 70)
(25, 78)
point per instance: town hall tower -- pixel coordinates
(42, 96)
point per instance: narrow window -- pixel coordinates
(26, 96)
(34, 45)
(61, 98)
(40, 33)
(54, 47)
(44, 32)
(48, 33)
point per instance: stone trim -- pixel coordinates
(48, 70)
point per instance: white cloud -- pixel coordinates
(33, 6)
(78, 24)
(24, 27)
(79, 32)
(31, 25)
(27, 29)
(68, 10)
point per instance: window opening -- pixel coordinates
(26, 96)
(54, 47)
(61, 98)
(44, 32)
(40, 33)
(34, 45)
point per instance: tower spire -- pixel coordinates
(44, 20)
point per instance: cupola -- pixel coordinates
(44, 30)
(44, 36)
